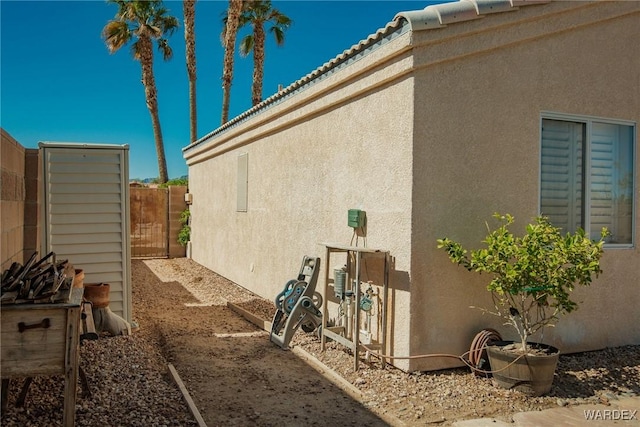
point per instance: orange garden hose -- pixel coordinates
(478, 345)
(480, 342)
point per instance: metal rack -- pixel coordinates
(355, 255)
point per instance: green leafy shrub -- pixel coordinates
(184, 235)
(532, 276)
(184, 181)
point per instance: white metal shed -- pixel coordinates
(86, 213)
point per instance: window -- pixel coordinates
(587, 176)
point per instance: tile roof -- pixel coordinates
(441, 15)
(431, 17)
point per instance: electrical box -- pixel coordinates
(356, 218)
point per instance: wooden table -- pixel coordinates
(43, 339)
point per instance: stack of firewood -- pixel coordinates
(41, 281)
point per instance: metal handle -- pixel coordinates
(44, 324)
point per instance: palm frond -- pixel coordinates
(135, 18)
(278, 34)
(168, 24)
(136, 11)
(142, 11)
(260, 8)
(152, 31)
(282, 20)
(165, 49)
(135, 50)
(116, 34)
(246, 45)
(246, 18)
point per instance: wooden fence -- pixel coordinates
(155, 221)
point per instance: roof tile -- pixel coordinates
(431, 17)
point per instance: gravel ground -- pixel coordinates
(131, 386)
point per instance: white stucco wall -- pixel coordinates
(477, 151)
(429, 134)
(344, 143)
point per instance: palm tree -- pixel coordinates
(258, 13)
(228, 36)
(144, 21)
(189, 10)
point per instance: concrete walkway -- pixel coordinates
(622, 412)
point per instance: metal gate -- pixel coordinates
(149, 222)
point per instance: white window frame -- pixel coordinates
(588, 121)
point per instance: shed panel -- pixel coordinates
(86, 213)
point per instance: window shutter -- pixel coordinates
(561, 173)
(602, 212)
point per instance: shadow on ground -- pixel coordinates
(234, 374)
(616, 375)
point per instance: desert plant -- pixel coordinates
(184, 235)
(182, 181)
(533, 275)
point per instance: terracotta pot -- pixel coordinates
(531, 374)
(97, 294)
(78, 278)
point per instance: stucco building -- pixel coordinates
(441, 118)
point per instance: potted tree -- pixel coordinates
(532, 277)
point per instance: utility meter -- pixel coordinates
(357, 218)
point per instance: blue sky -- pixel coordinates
(58, 82)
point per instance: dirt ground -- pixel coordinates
(234, 374)
(237, 377)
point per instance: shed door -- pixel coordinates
(86, 215)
